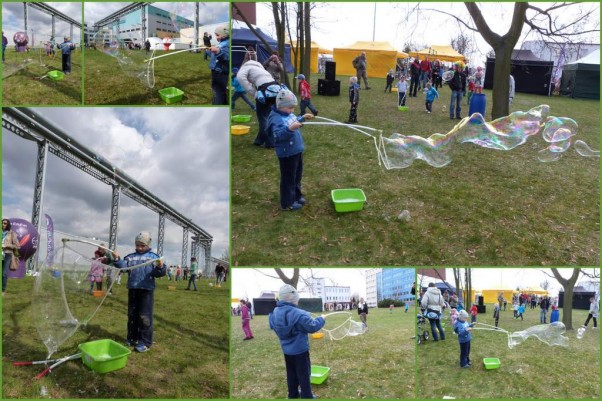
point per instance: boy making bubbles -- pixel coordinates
(462, 328)
(284, 126)
(141, 289)
(292, 325)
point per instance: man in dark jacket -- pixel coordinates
(544, 304)
(415, 76)
(207, 43)
(458, 85)
(360, 65)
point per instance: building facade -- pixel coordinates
(372, 287)
(395, 283)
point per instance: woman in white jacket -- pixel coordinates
(433, 302)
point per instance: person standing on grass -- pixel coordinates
(245, 314)
(415, 76)
(463, 329)
(354, 99)
(238, 91)
(292, 325)
(594, 310)
(407, 307)
(66, 48)
(473, 313)
(194, 267)
(457, 84)
(555, 315)
(496, 313)
(4, 45)
(362, 311)
(178, 273)
(96, 271)
(305, 93)
(10, 250)
(220, 65)
(207, 43)
(430, 94)
(141, 291)
(389, 81)
(147, 46)
(360, 64)
(544, 306)
(521, 310)
(433, 302)
(402, 87)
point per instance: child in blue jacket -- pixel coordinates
(66, 48)
(292, 325)
(239, 91)
(283, 127)
(141, 291)
(462, 328)
(431, 95)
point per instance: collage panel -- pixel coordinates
(116, 221)
(508, 333)
(160, 53)
(332, 333)
(42, 59)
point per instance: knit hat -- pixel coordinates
(301, 76)
(463, 315)
(285, 98)
(288, 293)
(144, 237)
(223, 30)
(234, 70)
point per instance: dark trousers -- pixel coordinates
(263, 137)
(306, 103)
(414, 83)
(464, 353)
(66, 63)
(436, 329)
(140, 316)
(389, 86)
(353, 113)
(401, 98)
(219, 87)
(291, 172)
(590, 316)
(298, 372)
(193, 281)
(429, 105)
(241, 95)
(8, 257)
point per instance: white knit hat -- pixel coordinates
(223, 30)
(288, 293)
(285, 98)
(463, 314)
(144, 237)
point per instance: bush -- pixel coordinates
(385, 303)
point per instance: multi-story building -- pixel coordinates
(330, 294)
(395, 283)
(372, 287)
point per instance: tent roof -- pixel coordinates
(314, 45)
(526, 55)
(592, 58)
(439, 52)
(374, 46)
(242, 33)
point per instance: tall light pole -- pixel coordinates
(374, 24)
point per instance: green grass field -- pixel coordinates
(530, 370)
(106, 83)
(23, 85)
(377, 364)
(189, 357)
(486, 207)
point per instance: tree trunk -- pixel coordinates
(279, 12)
(568, 285)
(457, 280)
(307, 51)
(501, 82)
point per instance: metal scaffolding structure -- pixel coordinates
(54, 14)
(31, 126)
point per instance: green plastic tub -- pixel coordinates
(104, 356)
(241, 118)
(56, 75)
(348, 200)
(491, 363)
(319, 374)
(171, 95)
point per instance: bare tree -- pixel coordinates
(457, 280)
(568, 285)
(280, 12)
(463, 44)
(545, 284)
(293, 280)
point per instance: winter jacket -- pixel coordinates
(362, 308)
(415, 69)
(220, 62)
(460, 328)
(237, 86)
(141, 277)
(274, 68)
(194, 267)
(207, 40)
(359, 63)
(286, 142)
(390, 78)
(244, 312)
(66, 47)
(594, 309)
(292, 325)
(10, 242)
(354, 93)
(432, 94)
(402, 86)
(252, 75)
(304, 89)
(455, 83)
(432, 299)
(425, 66)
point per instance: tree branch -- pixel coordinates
(246, 21)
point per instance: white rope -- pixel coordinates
(176, 52)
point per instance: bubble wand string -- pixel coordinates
(176, 52)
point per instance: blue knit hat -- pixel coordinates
(301, 76)
(285, 98)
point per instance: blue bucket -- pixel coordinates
(478, 103)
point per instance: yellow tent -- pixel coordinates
(439, 52)
(380, 56)
(313, 60)
(534, 290)
(490, 296)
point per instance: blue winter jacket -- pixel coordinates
(286, 142)
(142, 277)
(431, 94)
(292, 325)
(220, 62)
(464, 335)
(66, 47)
(237, 86)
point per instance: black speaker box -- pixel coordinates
(481, 308)
(480, 297)
(329, 88)
(330, 70)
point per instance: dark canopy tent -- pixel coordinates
(242, 37)
(531, 74)
(581, 79)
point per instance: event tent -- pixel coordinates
(439, 52)
(242, 37)
(531, 74)
(490, 295)
(380, 56)
(581, 78)
(315, 51)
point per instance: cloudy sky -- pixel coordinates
(209, 13)
(180, 154)
(39, 22)
(341, 24)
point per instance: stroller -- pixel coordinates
(422, 333)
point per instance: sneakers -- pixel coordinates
(302, 201)
(293, 207)
(141, 348)
(129, 343)
(316, 113)
(428, 112)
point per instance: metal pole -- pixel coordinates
(116, 196)
(185, 246)
(143, 21)
(374, 24)
(53, 25)
(196, 25)
(25, 16)
(38, 195)
(161, 235)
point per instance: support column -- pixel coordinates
(161, 236)
(115, 198)
(143, 9)
(53, 28)
(207, 250)
(71, 32)
(196, 27)
(25, 15)
(185, 247)
(38, 195)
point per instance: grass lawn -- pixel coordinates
(23, 86)
(189, 357)
(378, 364)
(106, 83)
(486, 207)
(530, 370)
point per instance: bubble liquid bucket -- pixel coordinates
(98, 294)
(478, 103)
(240, 129)
(319, 374)
(348, 200)
(491, 363)
(241, 118)
(56, 75)
(171, 95)
(103, 356)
